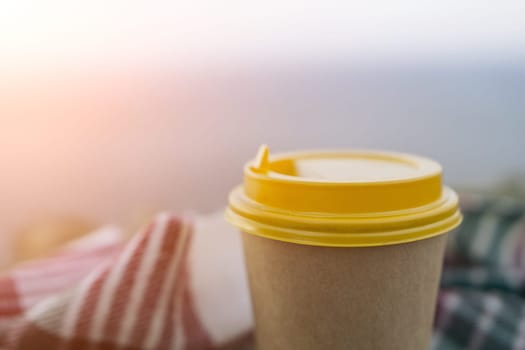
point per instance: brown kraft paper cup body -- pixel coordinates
(313, 298)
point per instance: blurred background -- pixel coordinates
(111, 110)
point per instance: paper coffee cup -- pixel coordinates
(343, 249)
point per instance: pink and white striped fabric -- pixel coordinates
(175, 285)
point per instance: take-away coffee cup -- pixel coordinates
(343, 248)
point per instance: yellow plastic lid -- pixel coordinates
(343, 198)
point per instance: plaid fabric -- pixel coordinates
(180, 284)
(481, 303)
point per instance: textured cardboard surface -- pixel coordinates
(309, 297)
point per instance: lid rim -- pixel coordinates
(346, 240)
(439, 210)
(256, 206)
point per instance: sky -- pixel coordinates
(44, 33)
